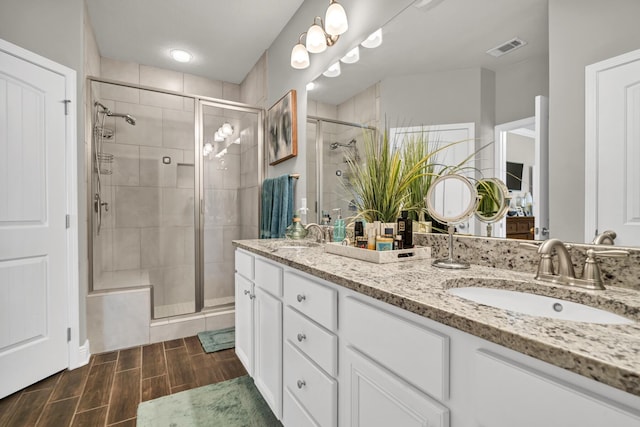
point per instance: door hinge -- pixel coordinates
(68, 334)
(66, 106)
(67, 221)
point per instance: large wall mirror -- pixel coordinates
(432, 69)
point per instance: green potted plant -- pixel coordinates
(390, 178)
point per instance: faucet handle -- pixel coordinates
(612, 253)
(529, 246)
(592, 272)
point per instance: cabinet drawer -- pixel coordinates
(268, 276)
(294, 414)
(418, 355)
(320, 345)
(316, 392)
(313, 299)
(244, 264)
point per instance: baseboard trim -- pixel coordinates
(83, 354)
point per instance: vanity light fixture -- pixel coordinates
(374, 39)
(352, 56)
(180, 55)
(227, 129)
(311, 86)
(333, 70)
(320, 35)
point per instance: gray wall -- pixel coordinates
(581, 32)
(55, 30)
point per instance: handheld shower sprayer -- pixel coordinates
(127, 117)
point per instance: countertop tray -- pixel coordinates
(379, 257)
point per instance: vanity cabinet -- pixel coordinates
(259, 325)
(310, 352)
(329, 356)
(521, 227)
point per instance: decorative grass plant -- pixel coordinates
(391, 178)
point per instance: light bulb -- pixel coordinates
(335, 20)
(333, 70)
(299, 57)
(316, 39)
(311, 86)
(374, 39)
(180, 55)
(218, 137)
(352, 56)
(227, 129)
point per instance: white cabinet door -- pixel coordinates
(267, 365)
(507, 393)
(244, 322)
(371, 396)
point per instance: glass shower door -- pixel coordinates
(231, 174)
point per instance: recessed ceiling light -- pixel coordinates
(180, 55)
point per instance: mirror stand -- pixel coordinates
(450, 263)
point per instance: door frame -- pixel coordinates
(78, 354)
(592, 142)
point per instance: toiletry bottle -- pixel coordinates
(295, 231)
(397, 242)
(384, 243)
(339, 228)
(326, 219)
(405, 229)
(371, 237)
(359, 238)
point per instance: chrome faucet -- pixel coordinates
(591, 275)
(325, 232)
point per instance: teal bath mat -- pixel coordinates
(221, 339)
(232, 403)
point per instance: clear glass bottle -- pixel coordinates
(295, 230)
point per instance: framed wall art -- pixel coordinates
(282, 129)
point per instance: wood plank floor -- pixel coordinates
(106, 391)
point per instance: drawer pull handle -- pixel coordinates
(301, 337)
(301, 383)
(301, 298)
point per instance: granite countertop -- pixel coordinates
(607, 353)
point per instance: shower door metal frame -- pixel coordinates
(320, 158)
(199, 101)
(209, 102)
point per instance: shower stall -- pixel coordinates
(173, 179)
(335, 143)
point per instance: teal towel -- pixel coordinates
(277, 207)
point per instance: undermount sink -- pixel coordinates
(538, 305)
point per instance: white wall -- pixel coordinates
(55, 30)
(581, 32)
(518, 85)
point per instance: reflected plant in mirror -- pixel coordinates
(392, 177)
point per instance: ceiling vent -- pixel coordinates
(507, 47)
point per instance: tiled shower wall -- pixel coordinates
(363, 109)
(148, 232)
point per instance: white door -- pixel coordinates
(612, 190)
(462, 134)
(541, 170)
(33, 247)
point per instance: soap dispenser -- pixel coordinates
(339, 227)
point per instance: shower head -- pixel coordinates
(127, 117)
(335, 145)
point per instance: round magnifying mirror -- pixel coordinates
(494, 200)
(451, 199)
